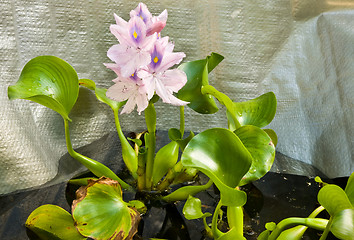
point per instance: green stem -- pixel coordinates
(141, 170)
(182, 193)
(207, 228)
(316, 223)
(150, 118)
(181, 122)
(129, 155)
(95, 167)
(214, 224)
(235, 219)
(327, 229)
(224, 100)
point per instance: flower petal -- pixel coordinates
(120, 91)
(113, 67)
(129, 106)
(116, 52)
(120, 21)
(137, 31)
(148, 82)
(142, 102)
(174, 79)
(169, 60)
(122, 34)
(167, 96)
(158, 23)
(143, 12)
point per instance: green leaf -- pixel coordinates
(343, 224)
(197, 76)
(50, 222)
(174, 134)
(213, 60)
(165, 159)
(219, 154)
(349, 189)
(49, 81)
(192, 209)
(100, 212)
(257, 112)
(333, 199)
(262, 149)
(272, 135)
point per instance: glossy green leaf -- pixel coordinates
(232, 234)
(261, 148)
(100, 212)
(174, 134)
(219, 154)
(182, 143)
(333, 199)
(50, 222)
(213, 60)
(165, 159)
(49, 81)
(272, 135)
(257, 112)
(343, 224)
(197, 76)
(349, 189)
(192, 209)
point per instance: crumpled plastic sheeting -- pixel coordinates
(301, 50)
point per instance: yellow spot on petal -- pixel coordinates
(135, 34)
(156, 59)
(133, 75)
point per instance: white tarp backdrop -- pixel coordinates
(302, 50)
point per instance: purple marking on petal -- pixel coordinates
(156, 58)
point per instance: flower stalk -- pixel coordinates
(150, 143)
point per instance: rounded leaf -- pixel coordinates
(219, 154)
(192, 209)
(197, 76)
(100, 212)
(52, 223)
(257, 112)
(333, 199)
(343, 224)
(49, 81)
(261, 148)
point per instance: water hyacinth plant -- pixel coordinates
(242, 152)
